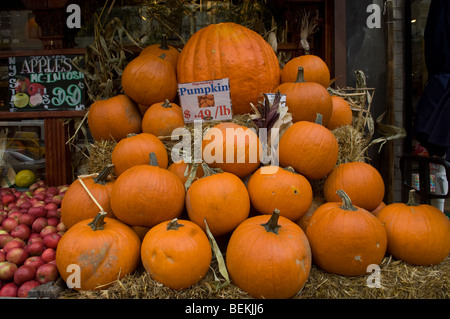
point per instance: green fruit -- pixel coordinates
(25, 178)
(20, 100)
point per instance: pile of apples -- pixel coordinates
(30, 229)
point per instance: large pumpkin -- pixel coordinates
(146, 195)
(162, 118)
(417, 234)
(306, 99)
(304, 220)
(171, 53)
(269, 257)
(135, 150)
(78, 205)
(233, 148)
(316, 70)
(345, 239)
(342, 113)
(272, 187)
(149, 79)
(114, 118)
(229, 50)
(310, 148)
(219, 197)
(176, 253)
(103, 248)
(361, 181)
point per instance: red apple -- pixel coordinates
(9, 290)
(53, 213)
(15, 214)
(37, 211)
(47, 230)
(33, 186)
(14, 243)
(34, 261)
(52, 190)
(53, 221)
(8, 198)
(49, 255)
(34, 237)
(51, 206)
(22, 231)
(61, 227)
(35, 248)
(57, 199)
(39, 224)
(51, 240)
(24, 273)
(9, 223)
(40, 190)
(4, 239)
(17, 256)
(24, 288)
(27, 219)
(46, 273)
(63, 188)
(2, 256)
(7, 270)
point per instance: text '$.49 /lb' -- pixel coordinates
(207, 114)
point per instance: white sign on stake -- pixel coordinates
(206, 100)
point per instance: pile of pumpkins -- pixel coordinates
(276, 229)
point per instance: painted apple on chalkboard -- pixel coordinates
(22, 85)
(20, 100)
(35, 100)
(36, 88)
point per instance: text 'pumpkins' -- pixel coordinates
(229, 50)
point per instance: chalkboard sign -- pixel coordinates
(45, 83)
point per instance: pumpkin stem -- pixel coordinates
(272, 224)
(102, 178)
(346, 201)
(153, 159)
(208, 171)
(319, 119)
(164, 45)
(411, 199)
(290, 169)
(300, 75)
(98, 222)
(166, 104)
(173, 224)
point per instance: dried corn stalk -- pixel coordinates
(309, 26)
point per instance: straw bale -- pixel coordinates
(399, 280)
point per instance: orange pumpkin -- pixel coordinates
(417, 234)
(345, 239)
(182, 169)
(233, 148)
(135, 150)
(77, 205)
(306, 99)
(162, 118)
(149, 79)
(229, 50)
(146, 195)
(342, 113)
(269, 258)
(219, 197)
(114, 118)
(310, 148)
(272, 187)
(304, 220)
(316, 70)
(361, 181)
(103, 248)
(171, 53)
(176, 253)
